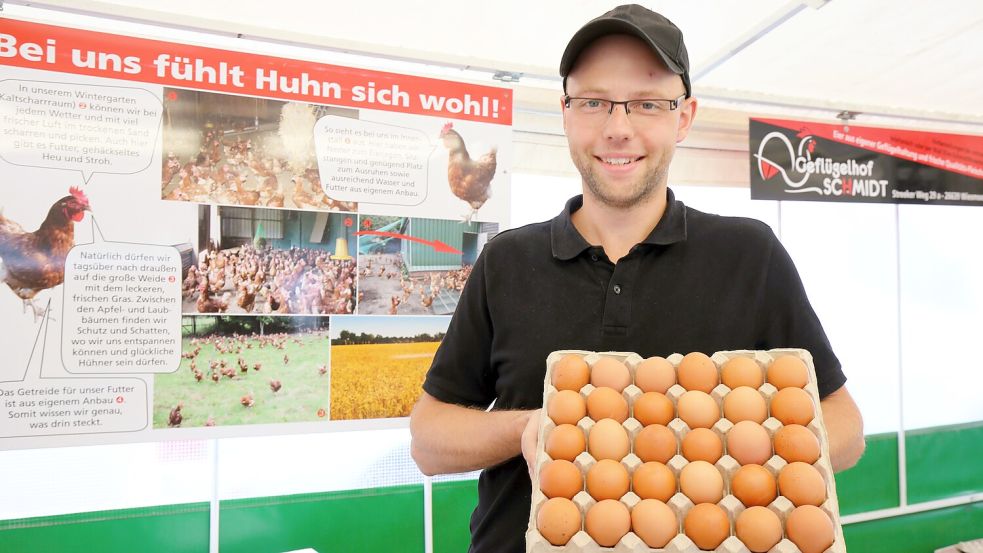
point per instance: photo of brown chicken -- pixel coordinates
(207, 304)
(175, 417)
(468, 178)
(35, 261)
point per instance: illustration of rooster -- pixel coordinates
(35, 261)
(469, 179)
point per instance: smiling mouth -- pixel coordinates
(618, 160)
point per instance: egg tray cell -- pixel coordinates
(582, 542)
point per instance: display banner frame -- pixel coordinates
(204, 242)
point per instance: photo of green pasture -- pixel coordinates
(246, 370)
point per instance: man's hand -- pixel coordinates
(448, 438)
(530, 440)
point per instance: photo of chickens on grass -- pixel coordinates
(246, 370)
(236, 150)
(411, 266)
(32, 262)
(255, 260)
(378, 364)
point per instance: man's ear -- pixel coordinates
(687, 113)
(563, 112)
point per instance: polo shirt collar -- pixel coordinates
(567, 243)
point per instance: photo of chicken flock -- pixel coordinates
(31, 262)
(387, 287)
(265, 158)
(247, 280)
(230, 171)
(245, 378)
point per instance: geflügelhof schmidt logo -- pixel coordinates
(797, 166)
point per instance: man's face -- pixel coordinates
(622, 158)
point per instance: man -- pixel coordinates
(625, 267)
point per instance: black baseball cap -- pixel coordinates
(659, 33)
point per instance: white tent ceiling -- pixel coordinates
(917, 61)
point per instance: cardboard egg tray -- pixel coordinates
(581, 542)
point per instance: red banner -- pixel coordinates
(62, 49)
(958, 153)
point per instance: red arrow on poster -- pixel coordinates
(437, 245)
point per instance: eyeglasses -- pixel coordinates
(597, 107)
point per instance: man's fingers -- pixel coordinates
(530, 440)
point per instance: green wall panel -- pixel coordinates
(453, 503)
(873, 483)
(337, 229)
(166, 529)
(916, 533)
(944, 462)
(417, 255)
(297, 228)
(378, 519)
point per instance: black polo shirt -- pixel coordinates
(698, 282)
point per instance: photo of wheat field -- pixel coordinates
(246, 370)
(378, 364)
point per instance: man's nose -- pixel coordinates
(619, 124)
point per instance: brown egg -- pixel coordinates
(654, 522)
(560, 478)
(788, 371)
(605, 403)
(707, 525)
(749, 443)
(792, 406)
(701, 482)
(697, 372)
(566, 407)
(698, 409)
(655, 374)
(558, 520)
(802, 484)
(607, 522)
(797, 443)
(745, 404)
(655, 443)
(742, 371)
(566, 441)
(608, 440)
(759, 529)
(570, 373)
(702, 444)
(653, 408)
(611, 373)
(754, 485)
(607, 479)
(653, 480)
(810, 529)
